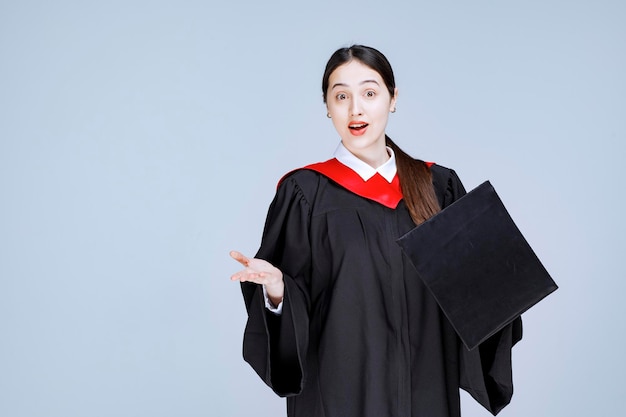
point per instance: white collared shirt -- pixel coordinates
(387, 171)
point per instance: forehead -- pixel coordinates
(353, 73)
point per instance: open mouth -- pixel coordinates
(357, 127)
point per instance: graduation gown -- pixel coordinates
(360, 335)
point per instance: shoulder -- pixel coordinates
(301, 181)
(447, 184)
(443, 173)
(301, 177)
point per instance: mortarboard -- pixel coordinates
(478, 266)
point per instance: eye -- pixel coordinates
(370, 93)
(341, 96)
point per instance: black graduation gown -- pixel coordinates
(360, 335)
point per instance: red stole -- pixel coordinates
(376, 188)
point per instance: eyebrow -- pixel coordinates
(361, 83)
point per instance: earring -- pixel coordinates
(393, 110)
(328, 115)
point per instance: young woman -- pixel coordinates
(339, 321)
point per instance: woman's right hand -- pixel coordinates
(260, 272)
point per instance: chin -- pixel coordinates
(364, 141)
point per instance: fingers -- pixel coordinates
(256, 270)
(239, 257)
(251, 276)
(247, 274)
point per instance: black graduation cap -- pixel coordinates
(477, 264)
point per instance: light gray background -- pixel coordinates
(140, 141)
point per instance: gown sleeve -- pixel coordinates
(276, 345)
(485, 371)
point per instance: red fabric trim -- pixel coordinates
(376, 188)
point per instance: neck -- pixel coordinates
(374, 157)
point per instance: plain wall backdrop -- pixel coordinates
(140, 141)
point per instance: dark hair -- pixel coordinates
(415, 176)
(366, 55)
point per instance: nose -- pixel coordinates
(355, 107)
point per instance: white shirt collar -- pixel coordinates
(387, 170)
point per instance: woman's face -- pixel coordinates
(359, 104)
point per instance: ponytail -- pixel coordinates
(416, 184)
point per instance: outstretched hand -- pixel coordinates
(260, 272)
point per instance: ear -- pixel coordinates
(392, 103)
